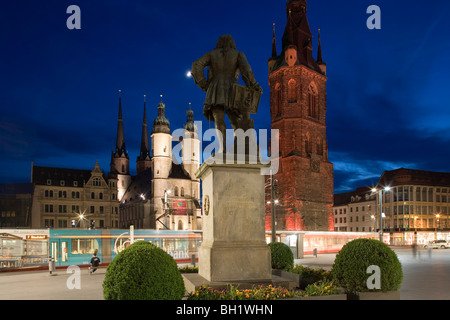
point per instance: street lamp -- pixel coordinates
(273, 203)
(436, 226)
(380, 195)
(80, 217)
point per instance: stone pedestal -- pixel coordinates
(234, 247)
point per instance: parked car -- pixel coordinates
(436, 244)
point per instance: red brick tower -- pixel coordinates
(298, 109)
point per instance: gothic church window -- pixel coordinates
(313, 105)
(276, 100)
(319, 146)
(292, 92)
(308, 145)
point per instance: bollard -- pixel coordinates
(51, 265)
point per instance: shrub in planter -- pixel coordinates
(143, 272)
(308, 275)
(281, 255)
(350, 268)
(188, 269)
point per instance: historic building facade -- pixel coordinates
(298, 110)
(71, 198)
(356, 211)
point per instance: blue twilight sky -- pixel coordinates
(387, 92)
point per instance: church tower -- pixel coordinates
(190, 146)
(298, 110)
(120, 162)
(161, 144)
(144, 160)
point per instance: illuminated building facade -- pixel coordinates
(298, 110)
(164, 194)
(355, 211)
(416, 208)
(66, 198)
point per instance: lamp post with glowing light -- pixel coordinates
(436, 227)
(380, 195)
(273, 203)
(81, 216)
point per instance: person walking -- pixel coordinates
(95, 262)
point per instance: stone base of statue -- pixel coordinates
(234, 249)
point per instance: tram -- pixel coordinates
(76, 247)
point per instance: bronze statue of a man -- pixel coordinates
(225, 64)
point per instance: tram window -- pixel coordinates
(91, 246)
(64, 254)
(78, 246)
(84, 246)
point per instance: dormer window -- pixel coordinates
(96, 182)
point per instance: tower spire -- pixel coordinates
(120, 162)
(190, 125)
(319, 51)
(274, 43)
(297, 34)
(161, 123)
(143, 160)
(322, 65)
(145, 150)
(120, 141)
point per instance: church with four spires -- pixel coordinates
(164, 194)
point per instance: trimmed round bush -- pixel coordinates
(350, 268)
(281, 255)
(143, 272)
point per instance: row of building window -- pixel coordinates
(64, 223)
(8, 214)
(62, 208)
(422, 194)
(400, 209)
(96, 182)
(75, 195)
(356, 209)
(410, 209)
(344, 219)
(356, 229)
